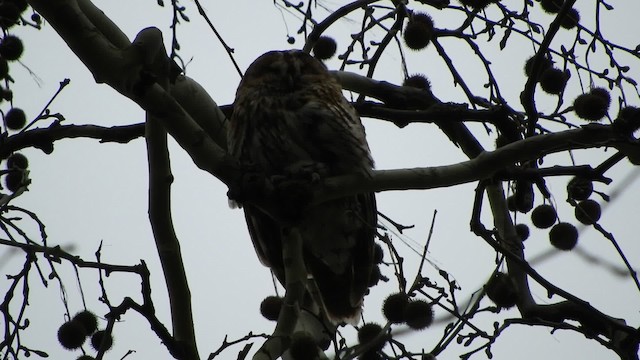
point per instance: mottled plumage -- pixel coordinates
(290, 114)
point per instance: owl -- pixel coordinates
(289, 114)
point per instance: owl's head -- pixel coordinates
(284, 70)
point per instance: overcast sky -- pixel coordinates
(87, 193)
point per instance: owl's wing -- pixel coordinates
(342, 280)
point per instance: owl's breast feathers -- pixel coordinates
(288, 111)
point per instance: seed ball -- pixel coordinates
(544, 216)
(303, 346)
(476, 4)
(588, 212)
(551, 6)
(14, 180)
(368, 333)
(325, 47)
(100, 337)
(17, 161)
(523, 231)
(418, 81)
(15, 118)
(571, 20)
(11, 47)
(418, 314)
(419, 31)
(270, 307)
(394, 306)
(553, 81)
(590, 106)
(545, 64)
(502, 291)
(71, 335)
(88, 320)
(378, 254)
(579, 188)
(563, 236)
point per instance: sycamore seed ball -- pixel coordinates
(270, 307)
(571, 20)
(88, 320)
(502, 291)
(303, 346)
(523, 231)
(588, 212)
(71, 335)
(476, 4)
(418, 314)
(419, 31)
(418, 81)
(17, 161)
(100, 337)
(394, 306)
(368, 333)
(553, 81)
(543, 216)
(579, 188)
(563, 236)
(15, 118)
(11, 47)
(325, 47)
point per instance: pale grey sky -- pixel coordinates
(87, 192)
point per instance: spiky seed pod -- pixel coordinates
(394, 306)
(4, 69)
(551, 6)
(524, 196)
(86, 357)
(418, 81)
(571, 20)
(325, 47)
(543, 216)
(602, 93)
(545, 64)
(563, 236)
(592, 107)
(15, 118)
(418, 314)
(378, 254)
(368, 333)
(523, 231)
(100, 337)
(71, 335)
(370, 355)
(13, 180)
(419, 31)
(628, 119)
(553, 81)
(428, 357)
(17, 161)
(291, 40)
(270, 307)
(375, 276)
(588, 212)
(88, 320)
(9, 14)
(11, 47)
(579, 188)
(502, 290)
(21, 4)
(303, 346)
(477, 4)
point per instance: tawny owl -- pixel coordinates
(290, 113)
